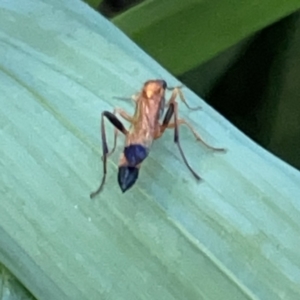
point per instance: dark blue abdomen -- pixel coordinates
(127, 176)
(135, 154)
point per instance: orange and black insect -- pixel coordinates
(147, 125)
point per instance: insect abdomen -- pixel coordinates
(135, 154)
(127, 176)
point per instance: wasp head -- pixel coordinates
(154, 88)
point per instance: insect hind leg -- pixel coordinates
(197, 136)
(115, 121)
(126, 117)
(172, 110)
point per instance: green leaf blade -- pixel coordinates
(182, 35)
(234, 236)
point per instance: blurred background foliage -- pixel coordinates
(11, 288)
(242, 57)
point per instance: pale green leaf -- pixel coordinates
(233, 236)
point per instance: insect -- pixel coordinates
(146, 125)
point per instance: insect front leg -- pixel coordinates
(115, 121)
(177, 92)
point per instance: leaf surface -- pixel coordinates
(233, 236)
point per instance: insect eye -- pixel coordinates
(164, 84)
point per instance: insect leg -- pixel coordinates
(175, 87)
(197, 136)
(177, 92)
(172, 110)
(115, 121)
(125, 116)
